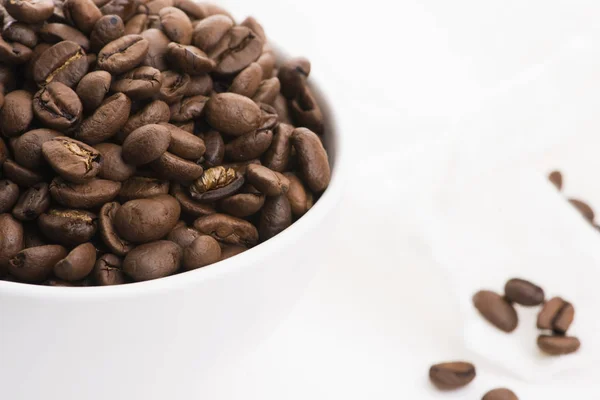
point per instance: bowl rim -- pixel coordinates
(248, 259)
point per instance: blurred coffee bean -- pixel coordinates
(585, 210)
(556, 314)
(452, 375)
(496, 310)
(523, 292)
(11, 240)
(500, 394)
(558, 345)
(292, 76)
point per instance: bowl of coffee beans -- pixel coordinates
(166, 183)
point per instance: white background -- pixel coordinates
(380, 311)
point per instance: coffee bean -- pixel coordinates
(20, 175)
(157, 51)
(242, 166)
(55, 33)
(113, 167)
(585, 210)
(558, 345)
(32, 203)
(30, 11)
(188, 205)
(109, 235)
(78, 264)
(201, 10)
(184, 144)
(306, 112)
(27, 148)
(91, 194)
(523, 292)
(301, 200)
(183, 236)
(215, 149)
(249, 146)
(237, 49)
(139, 83)
(242, 205)
(146, 220)
(139, 187)
(201, 252)
(146, 144)
(68, 227)
(73, 160)
(215, 184)
(199, 85)
(292, 75)
(269, 182)
(257, 28)
(275, 217)
(281, 108)
(125, 9)
(20, 33)
(57, 107)
(153, 7)
(267, 62)
(64, 62)
(228, 229)
(452, 375)
(228, 251)
(92, 88)
(153, 260)
(82, 13)
(174, 86)
(556, 314)
(189, 59)
(14, 53)
(7, 78)
(268, 117)
(233, 114)
(267, 91)
(9, 194)
(246, 83)
(106, 121)
(137, 24)
(153, 113)
(500, 394)
(106, 29)
(108, 271)
(209, 31)
(313, 159)
(3, 152)
(123, 54)
(496, 310)
(564, 319)
(36, 263)
(189, 108)
(11, 240)
(170, 167)
(176, 25)
(17, 113)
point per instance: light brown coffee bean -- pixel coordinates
(155, 112)
(56, 33)
(556, 314)
(496, 310)
(184, 144)
(564, 319)
(292, 75)
(123, 54)
(228, 229)
(82, 13)
(108, 233)
(58, 107)
(313, 159)
(201, 252)
(237, 49)
(64, 62)
(106, 29)
(558, 345)
(268, 117)
(266, 181)
(281, 108)
(199, 85)
(146, 144)
(209, 31)
(267, 91)
(586, 211)
(137, 24)
(201, 10)
(174, 86)
(452, 375)
(301, 200)
(246, 83)
(249, 146)
(73, 160)
(267, 62)
(92, 88)
(146, 220)
(139, 83)
(153, 260)
(176, 25)
(27, 149)
(500, 394)
(139, 187)
(78, 264)
(556, 178)
(123, 8)
(17, 113)
(91, 194)
(256, 27)
(106, 120)
(108, 271)
(523, 292)
(11, 240)
(189, 59)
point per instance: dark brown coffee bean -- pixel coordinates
(146, 144)
(73, 160)
(277, 157)
(496, 310)
(267, 91)
(209, 32)
(199, 85)
(153, 260)
(233, 114)
(237, 49)
(183, 236)
(201, 10)
(36, 263)
(169, 166)
(123, 54)
(157, 51)
(27, 149)
(268, 117)
(242, 205)
(188, 205)
(585, 210)
(202, 252)
(139, 187)
(92, 88)
(106, 121)
(228, 251)
(32, 203)
(82, 13)
(20, 33)
(313, 159)
(87, 195)
(558, 345)
(300, 199)
(523, 292)
(189, 108)
(123, 8)
(176, 25)
(108, 271)
(106, 29)
(17, 113)
(281, 108)
(562, 322)
(30, 11)
(57, 106)
(11, 240)
(7, 78)
(55, 33)
(68, 227)
(452, 375)
(257, 28)
(556, 178)
(114, 168)
(215, 184)
(292, 75)
(267, 62)
(189, 59)
(268, 182)
(246, 83)
(146, 220)
(306, 112)
(184, 144)
(153, 113)
(174, 86)
(249, 146)
(3, 152)
(500, 394)
(78, 264)
(9, 194)
(108, 233)
(21, 175)
(139, 83)
(14, 53)
(275, 217)
(215, 149)
(228, 229)
(64, 62)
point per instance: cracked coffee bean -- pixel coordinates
(108, 271)
(72, 160)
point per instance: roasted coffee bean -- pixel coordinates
(184, 144)
(169, 166)
(268, 117)
(108, 233)
(564, 319)
(215, 184)
(113, 167)
(20, 33)
(306, 112)
(108, 271)
(242, 205)
(201, 10)
(201, 252)
(146, 144)
(123, 8)
(237, 49)
(228, 229)
(139, 187)
(556, 314)
(189, 108)
(241, 167)
(313, 159)
(247, 82)
(14, 53)
(176, 25)
(106, 121)
(157, 52)
(188, 205)
(301, 200)
(267, 91)
(137, 24)
(11, 240)
(7, 78)
(73, 160)
(139, 83)
(215, 149)
(228, 251)
(199, 85)
(249, 146)
(27, 149)
(153, 7)
(82, 13)
(32, 236)
(277, 157)
(92, 88)
(586, 211)
(496, 310)
(174, 86)
(292, 76)
(64, 62)
(281, 108)
(78, 264)
(9, 194)
(91, 194)
(257, 28)
(146, 220)
(153, 113)
(275, 217)
(556, 178)
(500, 394)
(30, 11)
(267, 62)
(123, 54)
(106, 29)
(32, 203)
(233, 114)
(189, 59)
(17, 113)
(268, 182)
(523, 292)
(183, 236)
(558, 345)
(36, 263)
(452, 375)
(208, 32)
(153, 260)
(20, 175)
(68, 227)
(57, 106)
(55, 33)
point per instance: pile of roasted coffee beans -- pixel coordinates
(143, 138)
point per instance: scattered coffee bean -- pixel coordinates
(153, 260)
(557, 315)
(500, 394)
(585, 210)
(496, 310)
(523, 292)
(108, 271)
(77, 264)
(556, 178)
(558, 345)
(452, 375)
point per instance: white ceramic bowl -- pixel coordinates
(159, 339)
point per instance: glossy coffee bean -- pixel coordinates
(183, 236)
(11, 240)
(500, 394)
(108, 233)
(82, 13)
(215, 149)
(201, 252)
(292, 76)
(301, 199)
(68, 227)
(105, 30)
(31, 12)
(106, 120)
(249, 146)
(108, 271)
(139, 83)
(78, 264)
(153, 260)
(233, 114)
(228, 229)
(586, 211)
(157, 50)
(139, 187)
(123, 54)
(91, 194)
(266, 181)
(146, 220)
(57, 106)
(452, 375)
(9, 194)
(556, 178)
(21, 33)
(306, 112)
(174, 168)
(146, 144)
(17, 113)
(215, 184)
(556, 314)
(184, 144)
(20, 175)
(64, 62)
(153, 113)
(32, 203)
(496, 310)
(237, 49)
(312, 158)
(36, 263)
(176, 25)
(209, 31)
(275, 217)
(188, 205)
(558, 345)
(92, 88)
(174, 86)
(71, 159)
(27, 149)
(247, 82)
(523, 292)
(55, 33)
